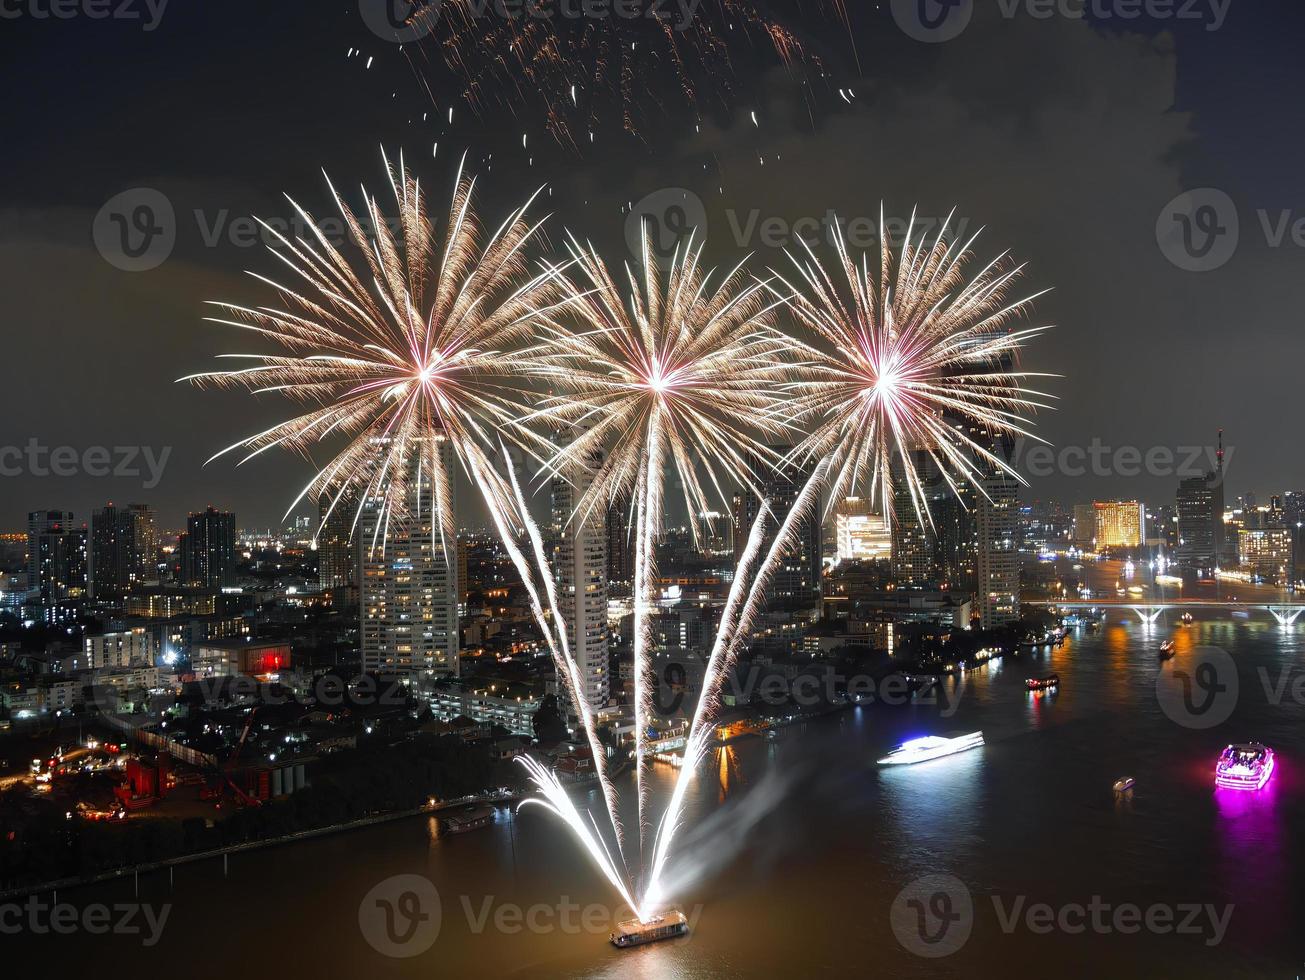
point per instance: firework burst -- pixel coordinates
(677, 372)
(914, 360)
(913, 356)
(399, 357)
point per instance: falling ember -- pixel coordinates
(516, 61)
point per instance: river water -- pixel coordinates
(801, 846)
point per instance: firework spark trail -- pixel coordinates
(399, 358)
(582, 70)
(924, 344)
(676, 370)
(557, 801)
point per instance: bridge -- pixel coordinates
(1286, 613)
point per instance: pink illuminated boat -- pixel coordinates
(1245, 766)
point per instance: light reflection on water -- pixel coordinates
(807, 891)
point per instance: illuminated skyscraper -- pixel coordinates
(57, 562)
(859, 534)
(1200, 518)
(1119, 523)
(581, 569)
(337, 565)
(123, 550)
(208, 550)
(797, 579)
(408, 587)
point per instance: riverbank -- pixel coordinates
(363, 822)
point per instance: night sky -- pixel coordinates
(1064, 138)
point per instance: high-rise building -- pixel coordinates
(620, 543)
(580, 565)
(859, 534)
(57, 561)
(408, 584)
(797, 578)
(1200, 518)
(997, 526)
(123, 550)
(1266, 552)
(934, 540)
(1119, 524)
(208, 550)
(336, 557)
(1085, 526)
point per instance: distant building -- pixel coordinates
(1266, 552)
(57, 563)
(859, 534)
(796, 580)
(123, 550)
(1120, 524)
(998, 578)
(208, 550)
(1085, 526)
(337, 558)
(1200, 521)
(239, 657)
(408, 580)
(620, 543)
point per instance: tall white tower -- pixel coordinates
(580, 567)
(408, 581)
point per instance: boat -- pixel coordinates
(1093, 626)
(669, 925)
(1166, 649)
(1248, 766)
(931, 747)
(1185, 619)
(472, 818)
(1047, 683)
(1125, 785)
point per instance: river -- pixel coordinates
(802, 845)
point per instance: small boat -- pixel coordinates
(1125, 785)
(669, 925)
(1048, 683)
(1248, 766)
(1166, 649)
(772, 733)
(1185, 619)
(1094, 626)
(472, 818)
(931, 747)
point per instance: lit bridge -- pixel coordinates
(1286, 613)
